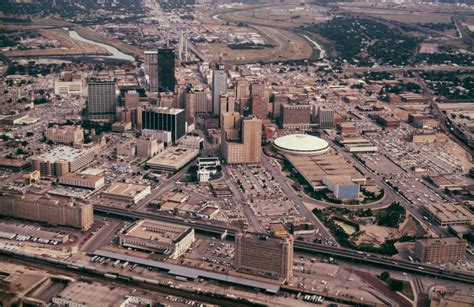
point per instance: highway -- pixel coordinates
(70, 268)
(390, 194)
(297, 201)
(336, 252)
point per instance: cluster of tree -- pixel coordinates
(249, 46)
(342, 237)
(392, 216)
(352, 35)
(175, 4)
(378, 75)
(69, 9)
(438, 26)
(463, 59)
(32, 69)
(400, 88)
(450, 84)
(394, 284)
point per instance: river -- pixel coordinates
(116, 54)
(322, 52)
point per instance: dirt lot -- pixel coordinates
(411, 14)
(68, 46)
(288, 45)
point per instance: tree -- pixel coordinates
(385, 276)
(395, 285)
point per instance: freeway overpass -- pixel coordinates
(222, 230)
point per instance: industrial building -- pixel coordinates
(266, 256)
(438, 250)
(53, 211)
(63, 159)
(158, 237)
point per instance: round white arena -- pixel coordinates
(301, 144)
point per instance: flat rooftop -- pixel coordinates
(315, 168)
(81, 293)
(63, 153)
(173, 157)
(148, 229)
(125, 189)
(441, 241)
(448, 212)
(165, 110)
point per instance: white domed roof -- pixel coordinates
(301, 143)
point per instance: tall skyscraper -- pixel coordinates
(151, 69)
(259, 107)
(295, 116)
(278, 100)
(325, 117)
(241, 139)
(102, 99)
(258, 88)
(263, 255)
(242, 89)
(166, 75)
(219, 87)
(165, 119)
(226, 103)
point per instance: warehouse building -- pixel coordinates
(158, 237)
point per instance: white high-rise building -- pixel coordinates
(219, 87)
(151, 69)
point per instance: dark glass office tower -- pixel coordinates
(165, 119)
(166, 77)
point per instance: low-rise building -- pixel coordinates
(126, 192)
(342, 187)
(65, 134)
(173, 158)
(158, 237)
(80, 180)
(63, 159)
(450, 297)
(53, 211)
(445, 214)
(439, 250)
(147, 147)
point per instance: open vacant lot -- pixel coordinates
(287, 44)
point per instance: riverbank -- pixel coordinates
(114, 52)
